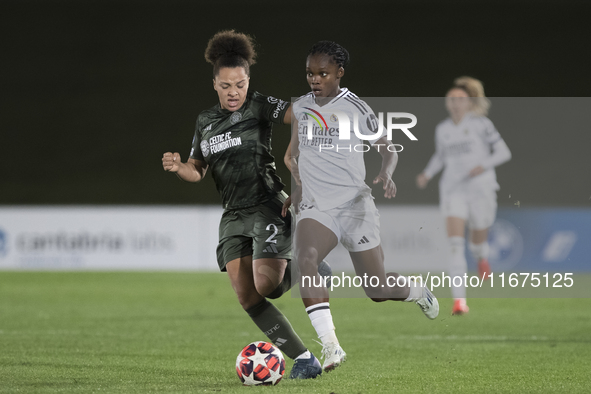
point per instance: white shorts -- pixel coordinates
(355, 223)
(478, 208)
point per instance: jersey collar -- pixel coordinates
(468, 115)
(342, 94)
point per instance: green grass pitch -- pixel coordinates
(92, 332)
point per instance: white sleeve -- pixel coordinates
(500, 150)
(436, 162)
(368, 122)
(488, 131)
(501, 154)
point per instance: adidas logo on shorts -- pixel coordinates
(363, 240)
(270, 249)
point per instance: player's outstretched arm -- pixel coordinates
(422, 180)
(501, 154)
(191, 171)
(288, 117)
(433, 167)
(389, 162)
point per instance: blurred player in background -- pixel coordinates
(336, 204)
(468, 147)
(233, 141)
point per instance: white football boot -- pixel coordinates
(333, 355)
(428, 303)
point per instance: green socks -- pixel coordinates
(277, 328)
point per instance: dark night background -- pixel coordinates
(93, 92)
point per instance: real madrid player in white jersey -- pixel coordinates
(336, 203)
(468, 147)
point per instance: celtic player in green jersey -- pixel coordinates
(233, 141)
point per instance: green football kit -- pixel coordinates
(237, 149)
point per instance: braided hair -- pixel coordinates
(231, 49)
(338, 54)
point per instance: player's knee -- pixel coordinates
(307, 259)
(278, 292)
(265, 285)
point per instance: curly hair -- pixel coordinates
(229, 48)
(473, 87)
(338, 54)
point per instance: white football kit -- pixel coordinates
(458, 149)
(332, 169)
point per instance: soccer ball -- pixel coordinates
(260, 363)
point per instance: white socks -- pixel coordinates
(479, 251)
(306, 354)
(416, 291)
(457, 265)
(322, 322)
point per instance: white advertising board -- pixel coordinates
(108, 238)
(180, 238)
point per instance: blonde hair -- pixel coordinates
(474, 88)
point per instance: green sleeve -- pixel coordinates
(269, 108)
(196, 150)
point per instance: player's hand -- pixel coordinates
(286, 205)
(171, 161)
(389, 186)
(295, 198)
(422, 180)
(476, 171)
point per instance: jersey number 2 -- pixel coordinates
(275, 231)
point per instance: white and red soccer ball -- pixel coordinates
(260, 363)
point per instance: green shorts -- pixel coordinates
(259, 231)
